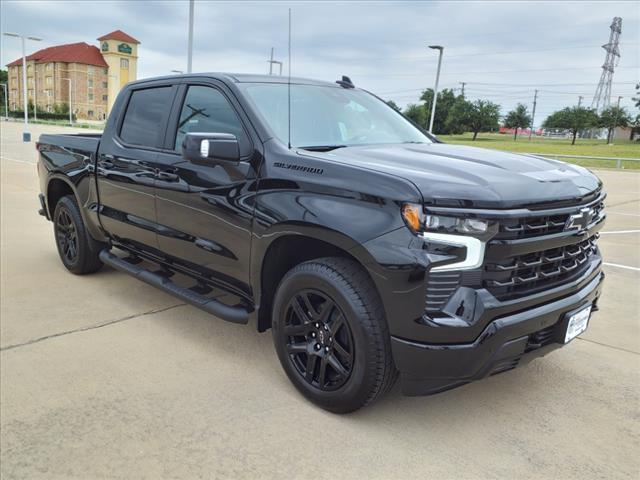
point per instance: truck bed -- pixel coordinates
(59, 152)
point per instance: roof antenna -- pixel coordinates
(289, 81)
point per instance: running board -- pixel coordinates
(237, 314)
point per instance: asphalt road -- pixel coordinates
(106, 377)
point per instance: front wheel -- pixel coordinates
(331, 335)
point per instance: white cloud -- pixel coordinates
(380, 45)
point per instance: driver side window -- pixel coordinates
(206, 110)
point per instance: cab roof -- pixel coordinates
(243, 78)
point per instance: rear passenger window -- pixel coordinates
(206, 110)
(145, 115)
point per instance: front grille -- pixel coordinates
(526, 274)
(533, 226)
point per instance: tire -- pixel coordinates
(331, 335)
(77, 250)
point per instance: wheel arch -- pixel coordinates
(290, 248)
(60, 185)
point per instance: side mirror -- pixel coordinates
(205, 148)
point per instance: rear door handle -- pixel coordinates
(168, 176)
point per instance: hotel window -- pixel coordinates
(30, 82)
(49, 67)
(48, 81)
(90, 70)
(106, 71)
(91, 97)
(90, 113)
(90, 83)
(105, 85)
(105, 98)
(29, 69)
(124, 63)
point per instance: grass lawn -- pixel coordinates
(588, 147)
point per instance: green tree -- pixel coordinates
(458, 117)
(394, 105)
(4, 75)
(573, 119)
(446, 101)
(517, 118)
(482, 116)
(613, 117)
(61, 108)
(417, 114)
(637, 99)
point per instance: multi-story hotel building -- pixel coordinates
(91, 76)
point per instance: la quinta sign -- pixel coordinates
(124, 48)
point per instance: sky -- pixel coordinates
(503, 50)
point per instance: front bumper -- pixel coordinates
(505, 343)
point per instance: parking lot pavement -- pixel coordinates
(105, 377)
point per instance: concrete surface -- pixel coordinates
(105, 377)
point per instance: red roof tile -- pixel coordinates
(119, 35)
(71, 53)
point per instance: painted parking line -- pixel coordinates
(625, 214)
(615, 232)
(17, 161)
(617, 265)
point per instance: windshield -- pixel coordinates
(323, 116)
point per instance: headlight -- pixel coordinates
(418, 221)
(439, 223)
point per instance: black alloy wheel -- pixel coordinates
(331, 335)
(67, 236)
(319, 341)
(78, 251)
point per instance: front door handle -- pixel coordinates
(168, 176)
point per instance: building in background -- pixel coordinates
(92, 76)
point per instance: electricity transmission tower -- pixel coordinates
(602, 98)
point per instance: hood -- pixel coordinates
(470, 177)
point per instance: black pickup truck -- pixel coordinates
(313, 209)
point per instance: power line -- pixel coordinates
(592, 67)
(502, 52)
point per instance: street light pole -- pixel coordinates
(190, 52)
(35, 92)
(533, 114)
(26, 136)
(435, 88)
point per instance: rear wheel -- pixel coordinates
(331, 336)
(77, 250)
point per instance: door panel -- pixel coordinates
(126, 187)
(204, 216)
(126, 167)
(205, 212)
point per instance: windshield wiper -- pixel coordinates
(322, 148)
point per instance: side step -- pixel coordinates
(235, 314)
